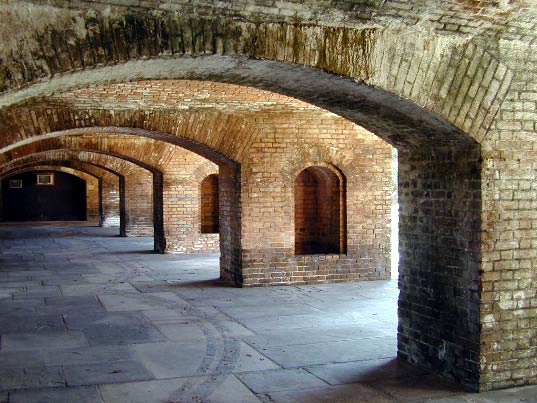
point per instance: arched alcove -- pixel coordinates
(319, 212)
(209, 214)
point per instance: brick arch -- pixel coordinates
(422, 65)
(204, 170)
(438, 143)
(82, 145)
(150, 150)
(220, 137)
(48, 145)
(93, 186)
(433, 155)
(400, 122)
(229, 238)
(58, 144)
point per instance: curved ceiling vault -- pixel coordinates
(151, 154)
(80, 172)
(114, 164)
(377, 44)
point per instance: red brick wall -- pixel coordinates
(183, 172)
(110, 200)
(288, 145)
(139, 203)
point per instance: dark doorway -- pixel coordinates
(43, 196)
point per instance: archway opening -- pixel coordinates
(439, 189)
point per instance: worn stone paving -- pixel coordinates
(87, 316)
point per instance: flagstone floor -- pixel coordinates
(87, 316)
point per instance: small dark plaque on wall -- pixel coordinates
(45, 179)
(15, 183)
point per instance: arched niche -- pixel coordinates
(320, 211)
(209, 214)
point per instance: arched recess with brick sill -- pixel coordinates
(320, 211)
(94, 205)
(209, 211)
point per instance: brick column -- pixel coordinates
(439, 246)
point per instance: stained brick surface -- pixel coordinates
(450, 83)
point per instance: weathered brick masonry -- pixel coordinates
(272, 145)
(182, 173)
(450, 84)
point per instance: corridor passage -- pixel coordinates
(87, 316)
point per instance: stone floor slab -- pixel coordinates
(214, 389)
(114, 328)
(300, 355)
(38, 292)
(96, 289)
(356, 393)
(21, 359)
(249, 359)
(31, 377)
(88, 355)
(78, 305)
(10, 283)
(79, 394)
(363, 371)
(12, 308)
(182, 331)
(10, 290)
(142, 302)
(241, 312)
(169, 316)
(279, 380)
(40, 341)
(415, 388)
(108, 372)
(319, 321)
(173, 360)
(32, 324)
(66, 279)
